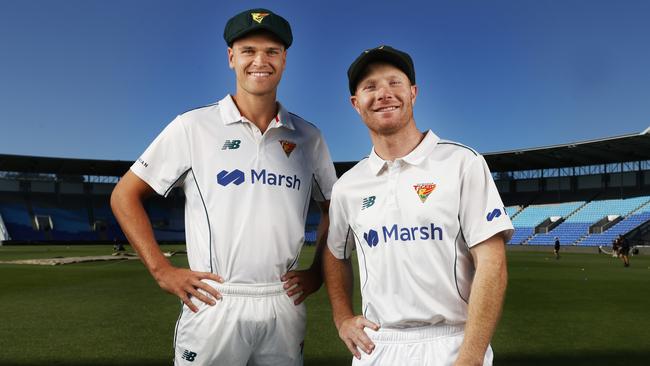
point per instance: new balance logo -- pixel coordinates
(189, 356)
(367, 202)
(494, 214)
(236, 176)
(231, 145)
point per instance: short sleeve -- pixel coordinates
(340, 239)
(165, 162)
(324, 172)
(482, 214)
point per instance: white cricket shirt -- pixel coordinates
(247, 193)
(413, 221)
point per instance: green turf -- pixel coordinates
(584, 309)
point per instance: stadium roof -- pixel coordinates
(618, 149)
(64, 166)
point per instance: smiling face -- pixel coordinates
(258, 60)
(384, 98)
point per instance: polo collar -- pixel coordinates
(283, 119)
(424, 149)
(375, 162)
(230, 114)
(415, 157)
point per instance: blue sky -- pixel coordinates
(100, 79)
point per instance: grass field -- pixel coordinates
(584, 309)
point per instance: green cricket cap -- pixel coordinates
(254, 20)
(384, 53)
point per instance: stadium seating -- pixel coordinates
(167, 217)
(527, 219)
(18, 222)
(521, 234)
(534, 215)
(575, 229)
(17, 219)
(84, 216)
(626, 225)
(4, 234)
(69, 215)
(567, 232)
(596, 210)
(103, 213)
(310, 236)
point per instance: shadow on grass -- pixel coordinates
(89, 363)
(611, 358)
(331, 361)
(334, 361)
(623, 358)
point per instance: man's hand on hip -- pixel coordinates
(303, 282)
(185, 284)
(352, 334)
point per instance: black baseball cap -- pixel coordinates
(384, 53)
(257, 19)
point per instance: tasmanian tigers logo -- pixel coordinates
(258, 17)
(287, 146)
(423, 190)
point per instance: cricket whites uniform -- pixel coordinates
(413, 222)
(247, 197)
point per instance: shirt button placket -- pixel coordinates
(393, 176)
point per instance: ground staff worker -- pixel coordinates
(248, 168)
(429, 228)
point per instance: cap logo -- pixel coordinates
(287, 146)
(423, 190)
(258, 17)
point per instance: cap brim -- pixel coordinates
(257, 28)
(376, 55)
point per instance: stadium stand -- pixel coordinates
(167, 217)
(512, 210)
(530, 217)
(18, 220)
(631, 221)
(4, 234)
(104, 222)
(576, 226)
(585, 193)
(68, 215)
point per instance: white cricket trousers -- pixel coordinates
(252, 325)
(436, 345)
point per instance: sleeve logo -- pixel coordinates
(493, 215)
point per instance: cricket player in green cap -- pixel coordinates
(248, 169)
